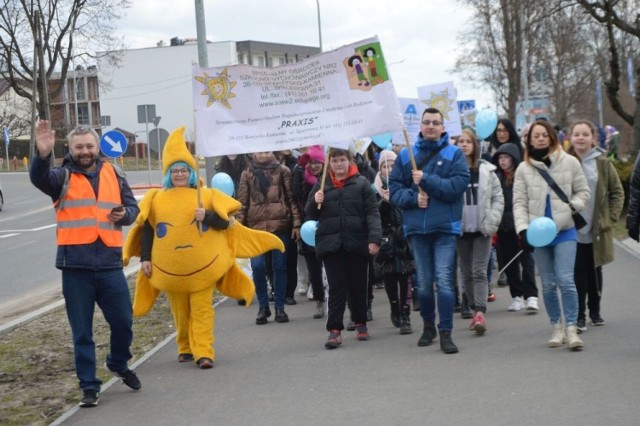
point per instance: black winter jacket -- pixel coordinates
(395, 253)
(349, 218)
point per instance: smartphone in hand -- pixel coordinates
(117, 209)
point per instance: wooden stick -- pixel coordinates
(413, 159)
(198, 193)
(324, 174)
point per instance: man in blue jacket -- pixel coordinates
(93, 201)
(431, 202)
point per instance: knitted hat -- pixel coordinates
(316, 153)
(387, 155)
(175, 149)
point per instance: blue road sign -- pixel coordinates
(113, 144)
(466, 105)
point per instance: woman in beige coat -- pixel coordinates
(533, 198)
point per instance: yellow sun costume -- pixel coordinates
(189, 265)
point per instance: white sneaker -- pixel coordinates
(310, 293)
(516, 305)
(532, 304)
(302, 288)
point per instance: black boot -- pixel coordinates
(466, 312)
(281, 316)
(405, 321)
(429, 333)
(395, 315)
(263, 314)
(446, 344)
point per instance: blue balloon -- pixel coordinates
(486, 123)
(382, 140)
(541, 231)
(308, 232)
(223, 182)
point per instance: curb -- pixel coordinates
(630, 246)
(133, 366)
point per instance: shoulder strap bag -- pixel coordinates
(578, 220)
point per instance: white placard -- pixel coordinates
(442, 97)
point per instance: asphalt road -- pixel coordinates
(280, 374)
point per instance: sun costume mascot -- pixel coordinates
(188, 258)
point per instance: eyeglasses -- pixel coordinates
(315, 163)
(177, 172)
(429, 122)
(502, 131)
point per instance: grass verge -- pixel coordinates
(37, 375)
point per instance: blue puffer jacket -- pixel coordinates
(94, 256)
(445, 179)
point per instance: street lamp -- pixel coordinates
(319, 26)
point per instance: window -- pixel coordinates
(83, 114)
(280, 61)
(261, 61)
(81, 93)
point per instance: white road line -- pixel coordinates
(28, 230)
(8, 235)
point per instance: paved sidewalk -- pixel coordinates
(280, 374)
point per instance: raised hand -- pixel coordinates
(45, 138)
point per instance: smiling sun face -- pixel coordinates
(441, 102)
(218, 88)
(180, 255)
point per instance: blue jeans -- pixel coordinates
(434, 256)
(279, 266)
(556, 267)
(82, 289)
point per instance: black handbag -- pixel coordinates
(578, 220)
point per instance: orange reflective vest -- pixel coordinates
(81, 217)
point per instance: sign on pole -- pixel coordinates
(113, 144)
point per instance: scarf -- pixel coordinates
(261, 179)
(377, 183)
(309, 179)
(339, 183)
(540, 155)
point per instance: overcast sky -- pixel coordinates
(419, 38)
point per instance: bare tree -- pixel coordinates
(620, 19)
(70, 29)
(492, 54)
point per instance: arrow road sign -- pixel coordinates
(113, 144)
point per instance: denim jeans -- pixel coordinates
(279, 266)
(82, 289)
(473, 257)
(434, 256)
(555, 264)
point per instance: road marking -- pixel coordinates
(8, 235)
(44, 209)
(28, 230)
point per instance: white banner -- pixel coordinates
(328, 99)
(442, 97)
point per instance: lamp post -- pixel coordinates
(319, 26)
